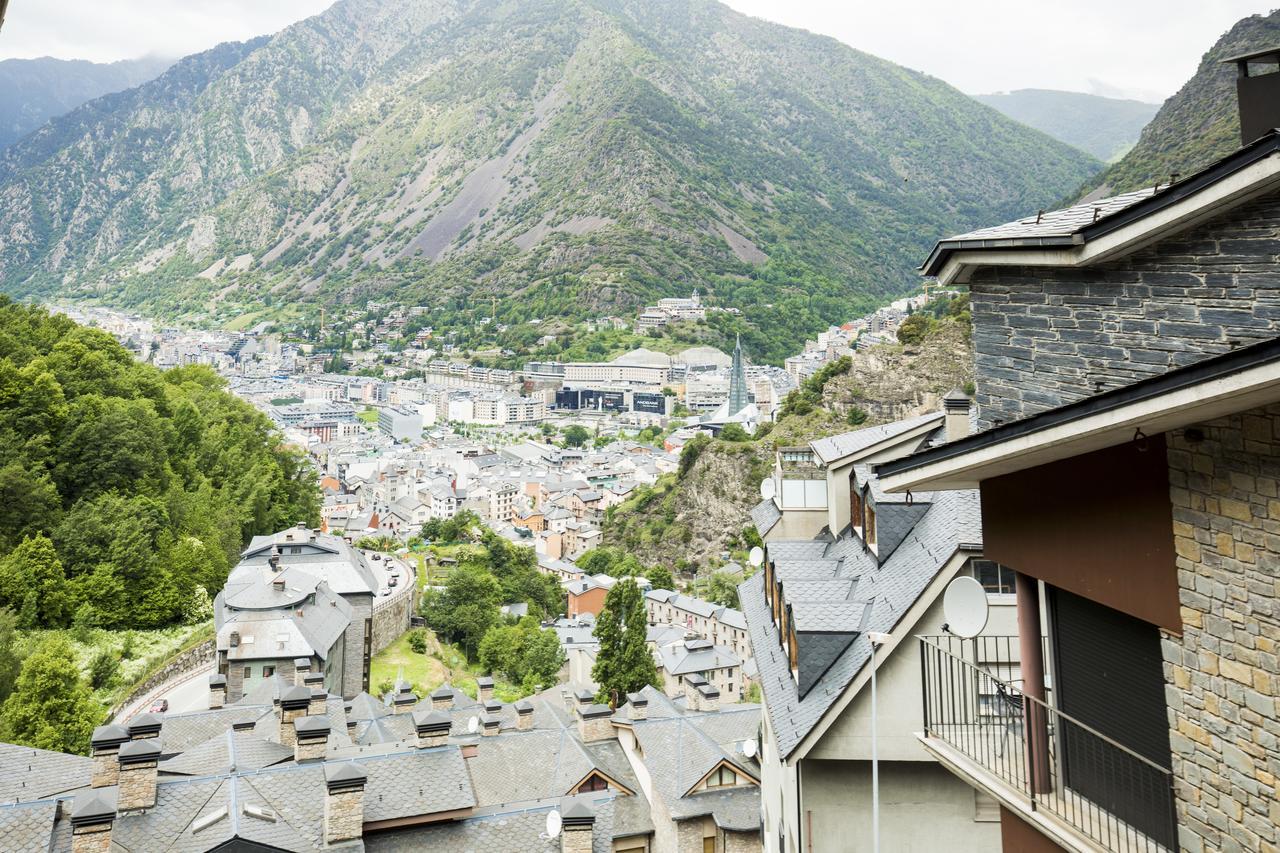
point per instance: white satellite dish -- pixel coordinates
(473, 724)
(749, 748)
(756, 557)
(767, 489)
(553, 824)
(964, 606)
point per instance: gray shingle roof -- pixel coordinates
(27, 827)
(33, 774)
(765, 515)
(952, 519)
(846, 444)
(1057, 223)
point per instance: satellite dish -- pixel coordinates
(756, 557)
(964, 605)
(473, 724)
(767, 489)
(553, 824)
(749, 748)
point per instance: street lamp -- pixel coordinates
(877, 639)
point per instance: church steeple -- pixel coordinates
(737, 381)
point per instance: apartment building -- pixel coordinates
(1128, 377)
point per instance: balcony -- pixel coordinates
(1080, 788)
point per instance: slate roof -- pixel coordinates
(27, 827)
(228, 751)
(812, 570)
(33, 774)
(765, 515)
(696, 656)
(846, 444)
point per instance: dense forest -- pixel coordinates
(124, 490)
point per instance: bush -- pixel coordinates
(734, 432)
(914, 329)
(691, 451)
(857, 416)
(418, 641)
(103, 669)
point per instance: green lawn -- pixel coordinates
(369, 416)
(442, 662)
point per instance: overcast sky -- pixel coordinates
(1128, 48)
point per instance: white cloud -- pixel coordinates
(1138, 48)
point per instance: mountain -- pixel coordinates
(534, 157)
(32, 91)
(1197, 125)
(1105, 127)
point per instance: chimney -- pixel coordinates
(484, 686)
(217, 690)
(1257, 92)
(637, 706)
(311, 736)
(294, 704)
(144, 727)
(524, 715)
(442, 698)
(319, 696)
(585, 698)
(278, 584)
(708, 698)
(137, 781)
(343, 802)
(577, 819)
(956, 407)
(432, 728)
(301, 666)
(405, 700)
(594, 723)
(105, 744)
(491, 723)
(92, 814)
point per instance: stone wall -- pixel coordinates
(353, 661)
(391, 618)
(192, 658)
(1221, 674)
(1045, 337)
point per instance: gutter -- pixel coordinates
(1217, 367)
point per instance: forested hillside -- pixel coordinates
(123, 490)
(537, 158)
(1197, 125)
(1105, 127)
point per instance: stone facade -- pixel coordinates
(91, 839)
(343, 815)
(391, 616)
(137, 786)
(355, 662)
(576, 840)
(1045, 337)
(1221, 674)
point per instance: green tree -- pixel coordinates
(660, 577)
(734, 432)
(857, 416)
(33, 585)
(576, 436)
(51, 706)
(914, 329)
(29, 504)
(690, 452)
(623, 664)
(10, 662)
(722, 588)
(467, 608)
(103, 669)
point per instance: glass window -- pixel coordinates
(593, 783)
(722, 777)
(268, 671)
(870, 533)
(995, 578)
(248, 673)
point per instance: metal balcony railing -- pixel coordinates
(1096, 787)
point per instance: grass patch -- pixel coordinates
(369, 416)
(442, 662)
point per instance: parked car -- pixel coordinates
(393, 581)
(160, 706)
(377, 556)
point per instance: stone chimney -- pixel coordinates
(105, 744)
(577, 820)
(491, 724)
(92, 814)
(585, 698)
(432, 728)
(343, 802)
(301, 668)
(594, 723)
(294, 704)
(956, 407)
(311, 735)
(484, 687)
(637, 706)
(524, 715)
(217, 690)
(137, 782)
(144, 727)
(319, 696)
(405, 700)
(442, 698)
(708, 698)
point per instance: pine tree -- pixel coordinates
(32, 583)
(624, 663)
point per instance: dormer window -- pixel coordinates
(594, 782)
(869, 532)
(855, 507)
(722, 777)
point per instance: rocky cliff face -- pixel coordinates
(702, 514)
(544, 157)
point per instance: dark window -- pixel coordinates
(268, 671)
(248, 672)
(870, 532)
(593, 783)
(995, 578)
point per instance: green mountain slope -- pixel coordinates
(1105, 127)
(32, 91)
(544, 157)
(1197, 125)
